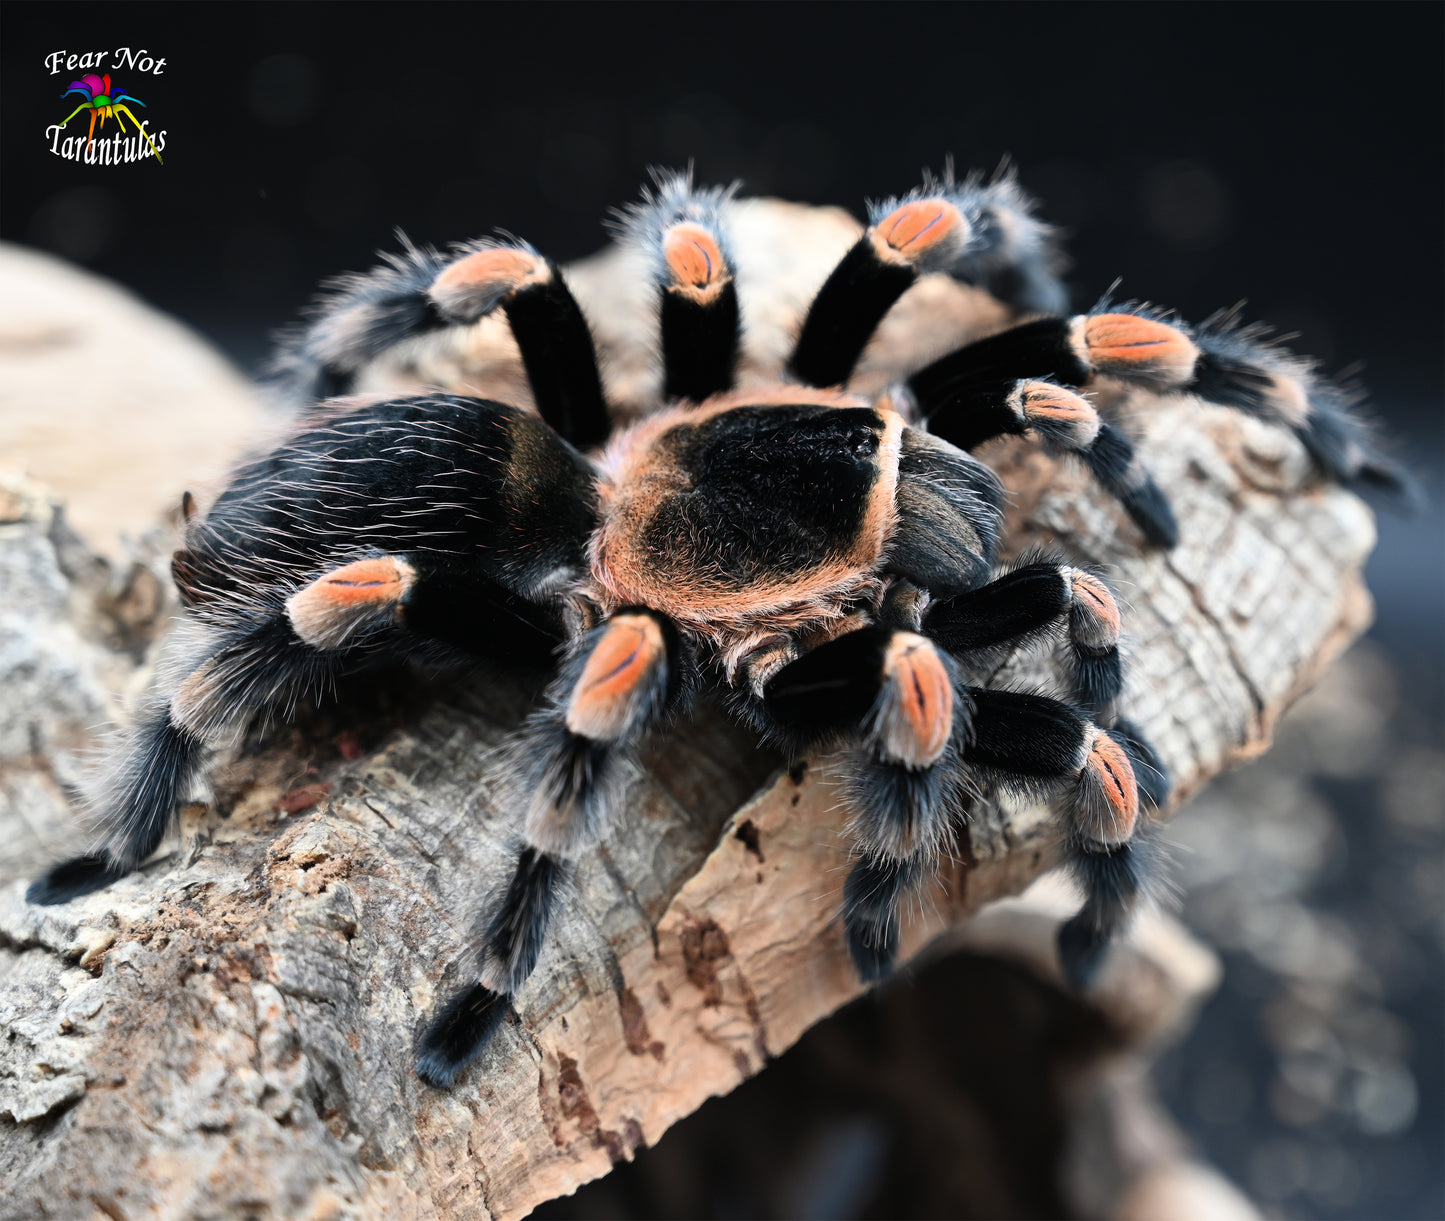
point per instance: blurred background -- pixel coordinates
(1289, 155)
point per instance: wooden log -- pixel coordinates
(230, 1031)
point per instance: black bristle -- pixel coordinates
(458, 1034)
(1151, 511)
(902, 809)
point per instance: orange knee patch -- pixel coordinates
(329, 611)
(918, 715)
(1093, 595)
(1113, 821)
(1127, 343)
(911, 230)
(474, 284)
(695, 261)
(1056, 408)
(616, 677)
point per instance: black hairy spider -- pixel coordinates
(824, 560)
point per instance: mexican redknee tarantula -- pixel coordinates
(825, 561)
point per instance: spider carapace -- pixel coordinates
(824, 560)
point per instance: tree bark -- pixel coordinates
(230, 1031)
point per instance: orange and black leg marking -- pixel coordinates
(893, 696)
(981, 234)
(700, 321)
(682, 231)
(571, 766)
(420, 292)
(1033, 743)
(1029, 601)
(993, 388)
(547, 324)
(436, 608)
(909, 240)
(1071, 351)
(351, 602)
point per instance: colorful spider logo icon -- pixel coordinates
(105, 103)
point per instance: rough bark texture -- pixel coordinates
(229, 1032)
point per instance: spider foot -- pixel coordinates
(1113, 879)
(870, 913)
(458, 1034)
(81, 875)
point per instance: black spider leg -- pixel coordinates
(422, 294)
(171, 737)
(980, 234)
(967, 400)
(359, 317)
(442, 610)
(1033, 744)
(944, 542)
(895, 701)
(1218, 362)
(549, 328)
(681, 232)
(1030, 601)
(568, 770)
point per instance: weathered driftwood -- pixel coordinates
(229, 1032)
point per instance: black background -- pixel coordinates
(1286, 154)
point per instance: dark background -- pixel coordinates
(1287, 154)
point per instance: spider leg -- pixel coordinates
(1033, 743)
(680, 230)
(547, 324)
(944, 543)
(295, 574)
(1029, 601)
(1218, 362)
(895, 698)
(382, 607)
(967, 413)
(420, 293)
(921, 731)
(627, 677)
(236, 675)
(981, 234)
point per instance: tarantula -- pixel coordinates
(824, 560)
